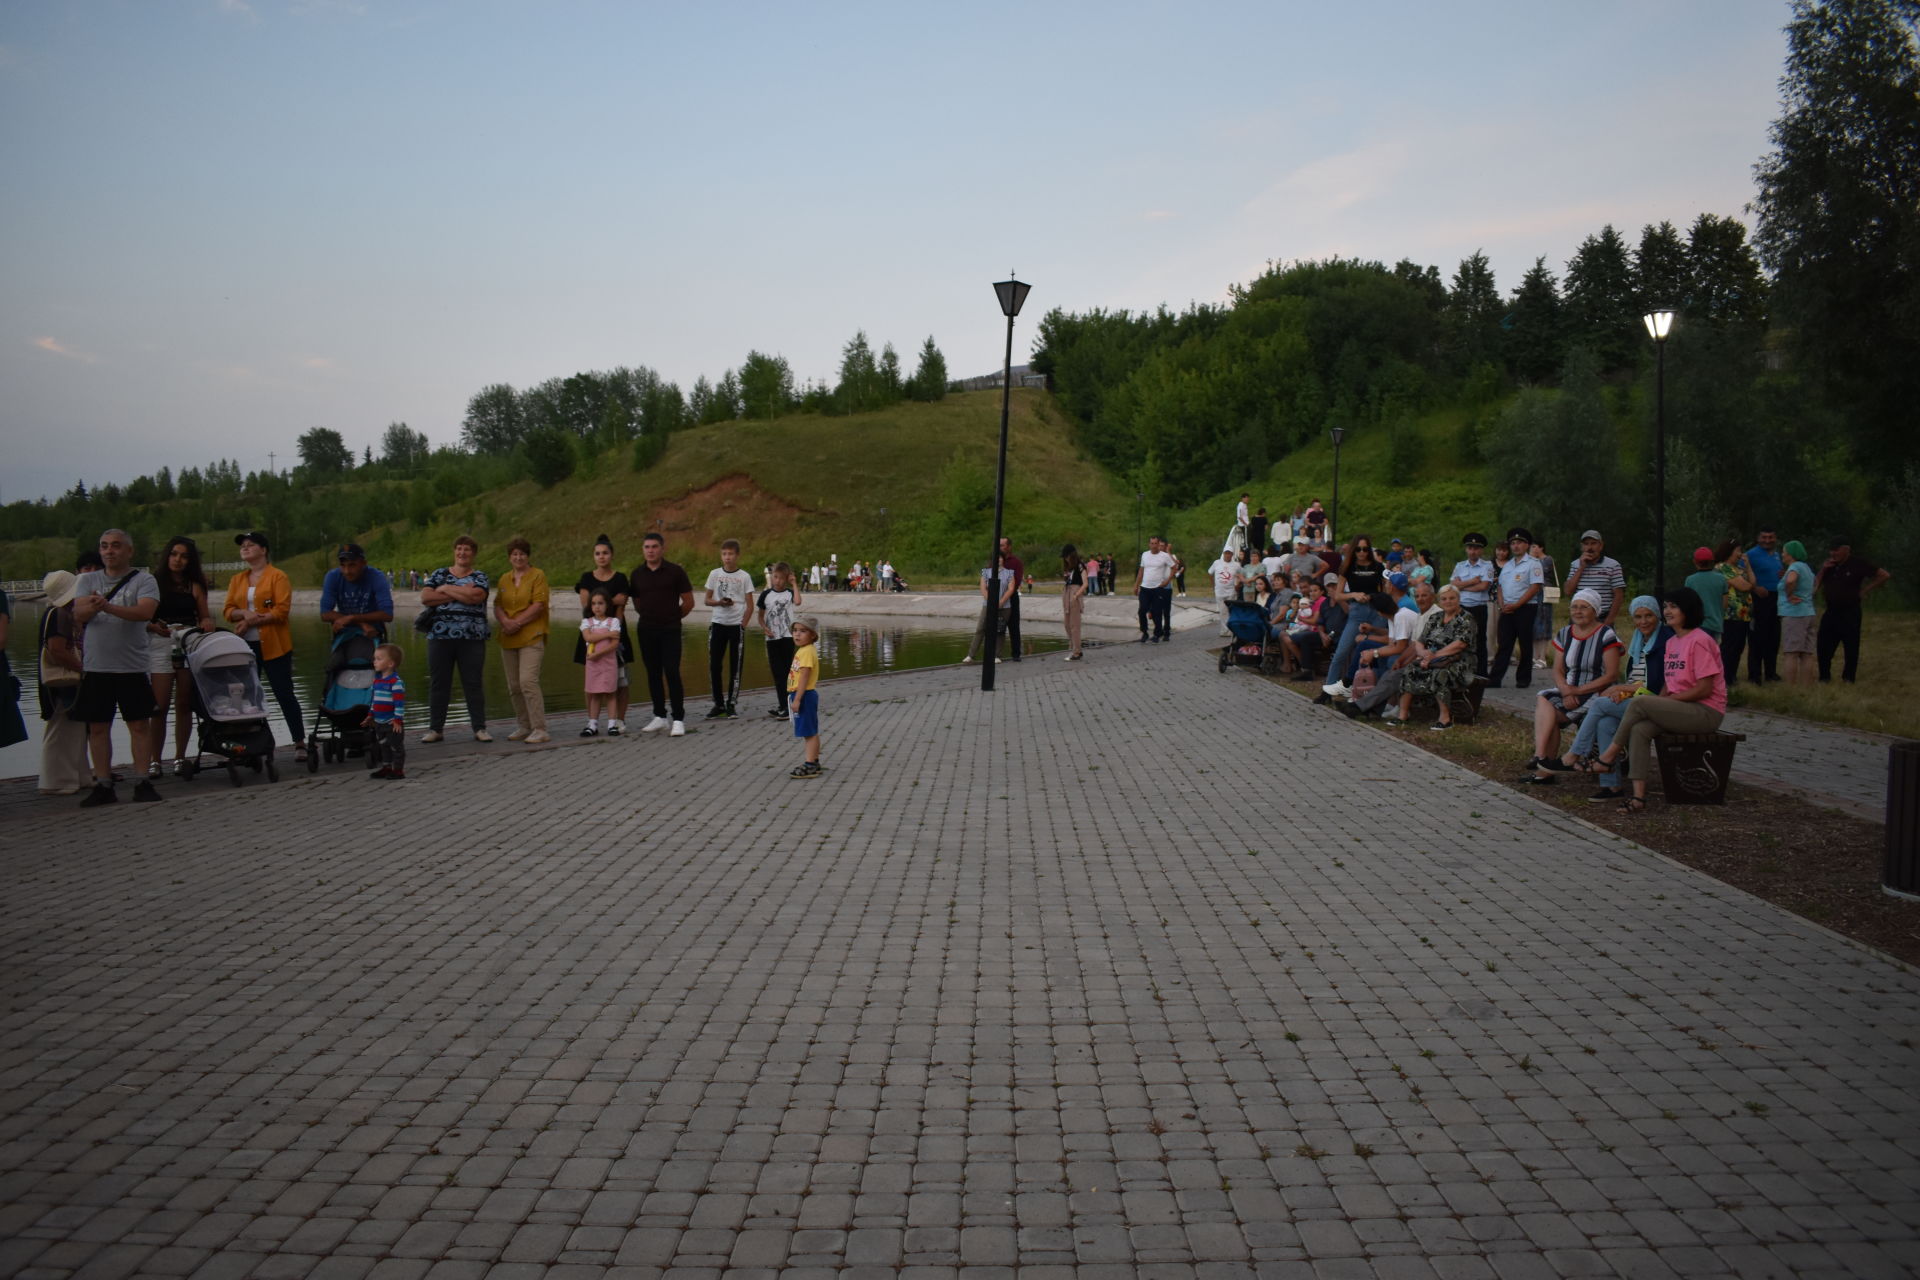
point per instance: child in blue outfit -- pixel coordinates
(803, 697)
(387, 715)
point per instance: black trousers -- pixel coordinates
(1013, 627)
(1155, 610)
(1478, 612)
(1516, 628)
(279, 676)
(726, 650)
(1733, 642)
(1763, 639)
(780, 659)
(389, 748)
(1839, 626)
(442, 657)
(660, 650)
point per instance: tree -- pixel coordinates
(495, 421)
(766, 385)
(930, 375)
(1662, 276)
(725, 405)
(1725, 286)
(1839, 213)
(892, 385)
(859, 376)
(1534, 329)
(550, 456)
(401, 446)
(1601, 311)
(324, 452)
(1472, 314)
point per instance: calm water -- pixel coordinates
(894, 645)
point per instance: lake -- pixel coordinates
(895, 644)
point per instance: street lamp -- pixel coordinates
(1659, 324)
(1338, 434)
(1012, 293)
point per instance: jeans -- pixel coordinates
(726, 650)
(471, 657)
(278, 673)
(1763, 641)
(1156, 610)
(522, 666)
(1349, 636)
(389, 748)
(780, 662)
(1733, 642)
(1516, 628)
(1597, 728)
(1839, 626)
(660, 650)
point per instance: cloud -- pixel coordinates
(1158, 215)
(56, 347)
(1331, 184)
(317, 362)
(237, 9)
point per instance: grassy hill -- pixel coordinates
(913, 482)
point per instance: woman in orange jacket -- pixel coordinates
(259, 602)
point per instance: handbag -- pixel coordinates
(55, 676)
(423, 621)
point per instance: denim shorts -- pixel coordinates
(806, 721)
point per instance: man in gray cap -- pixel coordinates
(1599, 573)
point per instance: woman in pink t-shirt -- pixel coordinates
(1693, 700)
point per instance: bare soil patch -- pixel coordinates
(731, 507)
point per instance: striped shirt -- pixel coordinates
(1605, 578)
(389, 699)
(1585, 656)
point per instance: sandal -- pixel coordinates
(1633, 804)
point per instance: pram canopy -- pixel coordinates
(225, 677)
(1247, 621)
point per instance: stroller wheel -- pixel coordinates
(233, 773)
(313, 762)
(1226, 656)
(273, 770)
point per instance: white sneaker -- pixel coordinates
(481, 735)
(518, 735)
(538, 736)
(1334, 690)
(654, 725)
(968, 658)
(432, 735)
(679, 729)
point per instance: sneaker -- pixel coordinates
(616, 727)
(781, 714)
(432, 735)
(481, 735)
(1607, 795)
(1440, 726)
(518, 735)
(732, 709)
(807, 770)
(719, 712)
(144, 792)
(393, 775)
(679, 729)
(381, 774)
(967, 659)
(1351, 710)
(592, 731)
(102, 793)
(655, 725)
(539, 736)
(1334, 690)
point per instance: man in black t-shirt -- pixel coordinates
(662, 595)
(1018, 568)
(1846, 580)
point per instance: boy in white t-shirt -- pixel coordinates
(730, 596)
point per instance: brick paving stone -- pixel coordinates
(927, 1017)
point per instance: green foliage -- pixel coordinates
(324, 452)
(549, 455)
(929, 381)
(1560, 467)
(1601, 307)
(648, 448)
(1660, 270)
(1536, 328)
(1724, 285)
(766, 386)
(403, 448)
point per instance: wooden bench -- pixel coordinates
(1465, 708)
(1694, 767)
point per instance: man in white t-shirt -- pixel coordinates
(1153, 584)
(730, 596)
(112, 605)
(1225, 573)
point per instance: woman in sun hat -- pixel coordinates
(63, 742)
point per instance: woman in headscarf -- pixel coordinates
(1586, 662)
(1796, 613)
(1641, 673)
(1693, 699)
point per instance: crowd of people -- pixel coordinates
(114, 641)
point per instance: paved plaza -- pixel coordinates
(1127, 969)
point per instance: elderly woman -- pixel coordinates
(258, 605)
(520, 611)
(1693, 699)
(1796, 613)
(1586, 663)
(457, 636)
(1644, 673)
(63, 743)
(1443, 659)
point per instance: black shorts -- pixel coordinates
(103, 691)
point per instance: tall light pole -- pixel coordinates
(1338, 434)
(1659, 324)
(1012, 293)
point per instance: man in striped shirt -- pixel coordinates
(1599, 573)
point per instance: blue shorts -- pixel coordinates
(806, 721)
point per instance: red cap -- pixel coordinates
(1703, 556)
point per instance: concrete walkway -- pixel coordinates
(1130, 968)
(1829, 765)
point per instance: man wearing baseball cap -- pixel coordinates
(1473, 578)
(1710, 585)
(1599, 573)
(355, 595)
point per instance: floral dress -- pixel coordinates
(1443, 682)
(458, 620)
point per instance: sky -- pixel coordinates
(227, 221)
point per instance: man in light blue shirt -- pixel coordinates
(1473, 578)
(1763, 650)
(1522, 582)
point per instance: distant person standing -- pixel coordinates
(1073, 589)
(1594, 570)
(662, 597)
(833, 571)
(1018, 568)
(457, 638)
(603, 577)
(1152, 586)
(63, 742)
(1763, 637)
(1242, 518)
(1522, 582)
(1257, 535)
(112, 606)
(1846, 580)
(779, 605)
(520, 611)
(259, 603)
(1795, 597)
(730, 595)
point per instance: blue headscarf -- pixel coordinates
(1641, 641)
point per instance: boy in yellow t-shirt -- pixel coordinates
(803, 694)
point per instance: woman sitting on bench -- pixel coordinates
(1644, 672)
(1694, 699)
(1586, 663)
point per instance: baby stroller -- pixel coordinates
(1248, 646)
(900, 583)
(337, 723)
(229, 705)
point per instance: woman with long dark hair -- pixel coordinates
(183, 608)
(1693, 698)
(1362, 576)
(1073, 590)
(603, 577)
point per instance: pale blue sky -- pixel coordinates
(226, 222)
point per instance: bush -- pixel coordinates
(648, 448)
(549, 456)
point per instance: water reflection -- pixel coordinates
(892, 644)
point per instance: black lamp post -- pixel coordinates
(1338, 434)
(1659, 324)
(1012, 293)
